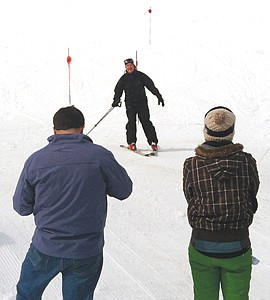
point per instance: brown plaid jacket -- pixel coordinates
(220, 184)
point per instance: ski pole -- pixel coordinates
(101, 120)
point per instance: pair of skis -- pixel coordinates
(141, 152)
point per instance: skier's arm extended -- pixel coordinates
(149, 83)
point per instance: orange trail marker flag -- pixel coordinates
(69, 61)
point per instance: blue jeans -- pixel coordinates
(79, 276)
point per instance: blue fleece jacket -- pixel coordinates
(65, 185)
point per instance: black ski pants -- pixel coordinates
(144, 116)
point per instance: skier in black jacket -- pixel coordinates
(133, 82)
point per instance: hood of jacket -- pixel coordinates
(220, 169)
(210, 152)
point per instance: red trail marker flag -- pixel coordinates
(69, 61)
(150, 12)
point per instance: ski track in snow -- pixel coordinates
(202, 55)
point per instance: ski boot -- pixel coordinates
(154, 146)
(132, 147)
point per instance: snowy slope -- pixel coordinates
(202, 54)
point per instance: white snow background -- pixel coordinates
(200, 54)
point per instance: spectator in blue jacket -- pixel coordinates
(65, 186)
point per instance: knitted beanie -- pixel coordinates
(219, 124)
(129, 61)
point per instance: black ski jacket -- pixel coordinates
(134, 86)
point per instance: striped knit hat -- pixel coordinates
(219, 124)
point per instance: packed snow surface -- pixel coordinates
(200, 54)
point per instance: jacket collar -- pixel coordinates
(208, 150)
(69, 137)
(133, 73)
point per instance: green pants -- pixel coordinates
(233, 274)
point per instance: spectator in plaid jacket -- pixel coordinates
(220, 184)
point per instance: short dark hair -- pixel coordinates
(67, 118)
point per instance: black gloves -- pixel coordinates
(116, 102)
(161, 101)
